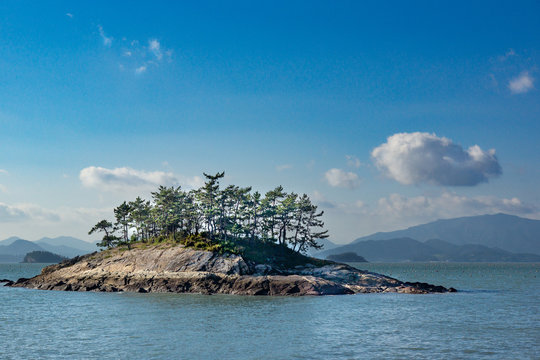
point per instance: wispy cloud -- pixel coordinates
(136, 56)
(127, 179)
(69, 15)
(448, 205)
(20, 212)
(353, 161)
(140, 69)
(155, 48)
(107, 41)
(414, 158)
(512, 72)
(510, 53)
(339, 178)
(521, 84)
(2, 171)
(284, 167)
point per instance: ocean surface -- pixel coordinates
(494, 316)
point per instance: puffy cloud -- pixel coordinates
(521, 84)
(126, 178)
(107, 41)
(413, 158)
(339, 178)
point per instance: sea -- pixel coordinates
(495, 315)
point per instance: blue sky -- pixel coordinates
(385, 114)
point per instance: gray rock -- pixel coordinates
(185, 270)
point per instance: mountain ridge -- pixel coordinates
(507, 232)
(13, 249)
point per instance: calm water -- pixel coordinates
(495, 317)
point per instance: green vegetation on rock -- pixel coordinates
(278, 227)
(42, 257)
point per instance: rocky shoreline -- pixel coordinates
(179, 269)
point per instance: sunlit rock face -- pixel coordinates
(184, 270)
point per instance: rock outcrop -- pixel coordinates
(185, 270)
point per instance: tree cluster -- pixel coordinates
(220, 214)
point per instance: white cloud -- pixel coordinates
(284, 167)
(322, 201)
(3, 189)
(155, 47)
(448, 205)
(339, 178)
(69, 15)
(413, 158)
(107, 41)
(140, 69)
(21, 212)
(353, 161)
(122, 179)
(348, 220)
(521, 84)
(128, 53)
(2, 171)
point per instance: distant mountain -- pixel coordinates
(14, 249)
(507, 232)
(327, 245)
(9, 240)
(69, 242)
(19, 247)
(407, 249)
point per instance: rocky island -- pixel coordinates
(215, 241)
(180, 269)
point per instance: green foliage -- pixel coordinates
(232, 219)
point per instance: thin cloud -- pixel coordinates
(353, 161)
(107, 41)
(140, 69)
(521, 84)
(449, 205)
(510, 53)
(414, 158)
(69, 15)
(122, 179)
(283, 167)
(155, 48)
(21, 212)
(339, 178)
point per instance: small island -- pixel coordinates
(43, 257)
(350, 256)
(215, 241)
